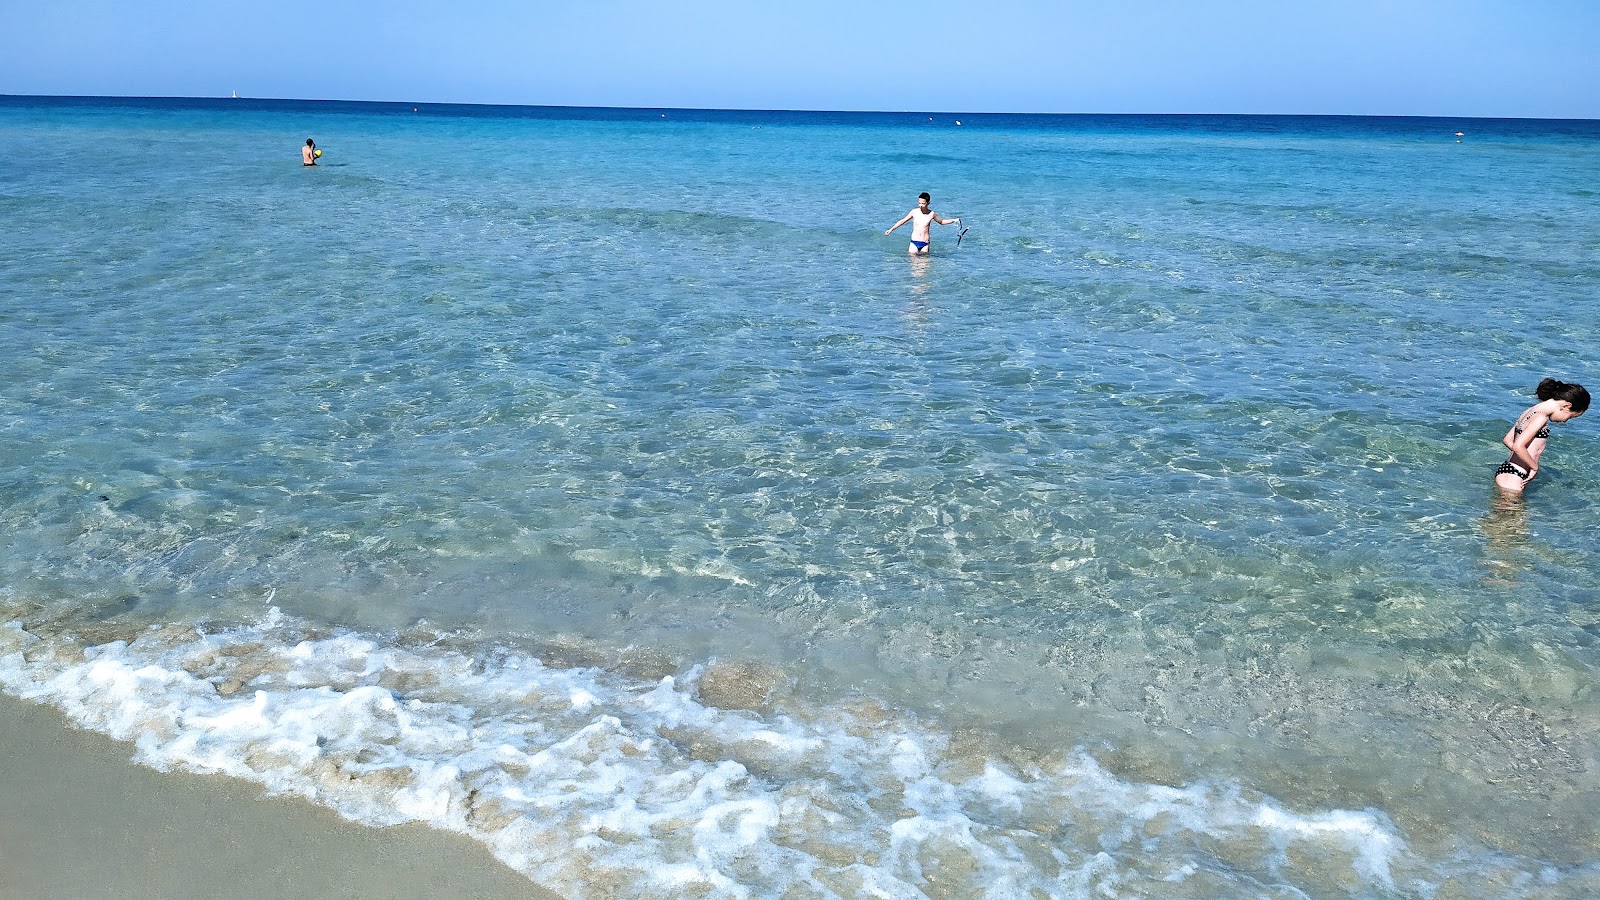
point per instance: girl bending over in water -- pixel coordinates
(1558, 402)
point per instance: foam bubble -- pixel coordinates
(597, 784)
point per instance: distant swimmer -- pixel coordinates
(309, 153)
(1527, 439)
(920, 219)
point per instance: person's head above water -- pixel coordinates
(1574, 395)
(310, 142)
(923, 199)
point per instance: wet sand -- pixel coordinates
(78, 819)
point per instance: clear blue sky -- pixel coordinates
(1538, 58)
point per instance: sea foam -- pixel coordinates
(596, 784)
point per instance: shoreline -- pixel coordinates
(80, 818)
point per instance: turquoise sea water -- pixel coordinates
(606, 485)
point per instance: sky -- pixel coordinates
(1514, 58)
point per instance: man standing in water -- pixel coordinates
(308, 153)
(919, 219)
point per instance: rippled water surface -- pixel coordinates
(605, 484)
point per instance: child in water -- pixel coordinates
(1558, 402)
(920, 218)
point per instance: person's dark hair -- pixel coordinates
(924, 196)
(1551, 389)
(310, 142)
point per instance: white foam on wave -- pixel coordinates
(599, 785)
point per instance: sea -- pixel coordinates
(604, 484)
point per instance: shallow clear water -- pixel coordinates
(609, 483)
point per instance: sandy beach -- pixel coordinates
(78, 819)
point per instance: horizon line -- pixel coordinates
(741, 109)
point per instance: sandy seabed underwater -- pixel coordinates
(603, 484)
